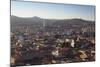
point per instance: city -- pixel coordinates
(62, 41)
(49, 33)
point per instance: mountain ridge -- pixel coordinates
(36, 17)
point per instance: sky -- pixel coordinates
(52, 11)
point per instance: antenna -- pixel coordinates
(43, 23)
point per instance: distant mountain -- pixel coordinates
(35, 18)
(19, 21)
(25, 21)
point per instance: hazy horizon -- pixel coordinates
(52, 11)
(54, 18)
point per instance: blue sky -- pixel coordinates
(52, 11)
